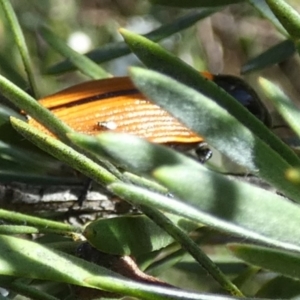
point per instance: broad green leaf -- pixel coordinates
(287, 16)
(195, 3)
(131, 235)
(118, 49)
(280, 261)
(155, 57)
(272, 56)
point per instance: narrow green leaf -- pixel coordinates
(287, 15)
(19, 218)
(280, 261)
(81, 62)
(155, 57)
(20, 42)
(118, 49)
(195, 3)
(17, 229)
(284, 105)
(272, 56)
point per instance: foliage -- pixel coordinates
(187, 217)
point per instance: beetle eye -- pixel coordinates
(241, 91)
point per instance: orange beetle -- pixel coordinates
(115, 104)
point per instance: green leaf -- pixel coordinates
(279, 261)
(195, 3)
(118, 49)
(283, 104)
(138, 235)
(39, 223)
(155, 57)
(81, 62)
(20, 41)
(272, 56)
(17, 229)
(131, 235)
(287, 16)
(231, 201)
(239, 223)
(216, 126)
(27, 259)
